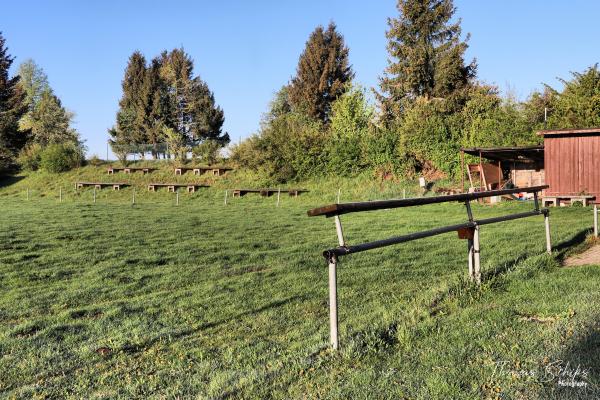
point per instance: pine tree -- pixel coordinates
(426, 56)
(12, 108)
(322, 75)
(157, 105)
(192, 115)
(134, 101)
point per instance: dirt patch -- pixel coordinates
(589, 257)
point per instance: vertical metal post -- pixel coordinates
(340, 232)
(462, 171)
(481, 173)
(226, 197)
(404, 193)
(94, 195)
(338, 196)
(177, 198)
(596, 220)
(470, 244)
(547, 224)
(278, 196)
(476, 258)
(470, 255)
(333, 317)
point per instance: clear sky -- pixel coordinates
(246, 50)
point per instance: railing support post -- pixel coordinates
(340, 232)
(596, 220)
(476, 258)
(470, 255)
(333, 317)
(547, 224)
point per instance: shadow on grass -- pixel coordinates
(575, 374)
(134, 348)
(6, 181)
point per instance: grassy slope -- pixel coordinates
(211, 300)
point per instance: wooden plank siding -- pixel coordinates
(572, 164)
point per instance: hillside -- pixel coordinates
(210, 300)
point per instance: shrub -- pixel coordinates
(30, 157)
(95, 161)
(60, 157)
(207, 151)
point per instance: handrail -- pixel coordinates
(467, 230)
(345, 208)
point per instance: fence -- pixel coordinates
(468, 230)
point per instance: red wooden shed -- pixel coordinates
(572, 165)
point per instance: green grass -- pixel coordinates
(204, 300)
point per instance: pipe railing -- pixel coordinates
(468, 230)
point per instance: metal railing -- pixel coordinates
(468, 230)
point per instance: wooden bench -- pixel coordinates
(100, 185)
(267, 192)
(556, 200)
(172, 187)
(129, 170)
(216, 171)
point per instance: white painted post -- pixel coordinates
(278, 195)
(94, 195)
(339, 194)
(404, 193)
(596, 220)
(340, 232)
(548, 242)
(476, 258)
(226, 197)
(333, 317)
(177, 198)
(470, 256)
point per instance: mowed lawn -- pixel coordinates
(204, 300)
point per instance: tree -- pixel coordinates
(133, 106)
(12, 108)
(426, 56)
(349, 130)
(578, 105)
(50, 122)
(322, 75)
(34, 82)
(191, 112)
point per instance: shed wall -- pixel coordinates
(572, 165)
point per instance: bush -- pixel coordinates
(30, 157)
(60, 157)
(207, 151)
(95, 161)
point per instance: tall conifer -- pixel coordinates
(12, 108)
(426, 55)
(322, 74)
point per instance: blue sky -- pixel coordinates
(246, 50)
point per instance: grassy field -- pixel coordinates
(203, 300)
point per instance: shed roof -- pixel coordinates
(517, 154)
(556, 132)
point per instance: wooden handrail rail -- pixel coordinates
(345, 208)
